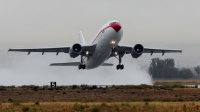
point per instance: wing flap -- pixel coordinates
(58, 49)
(128, 49)
(150, 50)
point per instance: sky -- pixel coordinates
(170, 24)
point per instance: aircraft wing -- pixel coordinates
(90, 48)
(151, 50)
(43, 50)
(128, 49)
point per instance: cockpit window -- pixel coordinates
(113, 23)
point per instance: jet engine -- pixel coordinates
(137, 51)
(75, 50)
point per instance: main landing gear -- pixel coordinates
(120, 66)
(81, 66)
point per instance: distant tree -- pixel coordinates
(162, 68)
(185, 73)
(197, 69)
(170, 72)
(153, 69)
(166, 69)
(169, 62)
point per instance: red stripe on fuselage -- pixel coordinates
(116, 27)
(100, 32)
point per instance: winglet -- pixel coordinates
(81, 37)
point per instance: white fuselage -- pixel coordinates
(103, 40)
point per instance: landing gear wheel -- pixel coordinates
(120, 67)
(81, 67)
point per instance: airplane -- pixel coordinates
(104, 46)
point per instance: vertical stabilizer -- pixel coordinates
(82, 40)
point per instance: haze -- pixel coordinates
(31, 24)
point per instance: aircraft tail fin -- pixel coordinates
(81, 37)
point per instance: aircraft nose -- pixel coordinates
(116, 27)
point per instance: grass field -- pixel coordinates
(176, 81)
(102, 107)
(172, 96)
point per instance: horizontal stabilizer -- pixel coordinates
(65, 64)
(107, 64)
(76, 64)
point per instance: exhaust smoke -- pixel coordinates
(22, 69)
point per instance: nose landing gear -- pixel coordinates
(113, 50)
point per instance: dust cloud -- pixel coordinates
(22, 69)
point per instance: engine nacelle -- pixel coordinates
(137, 51)
(75, 50)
